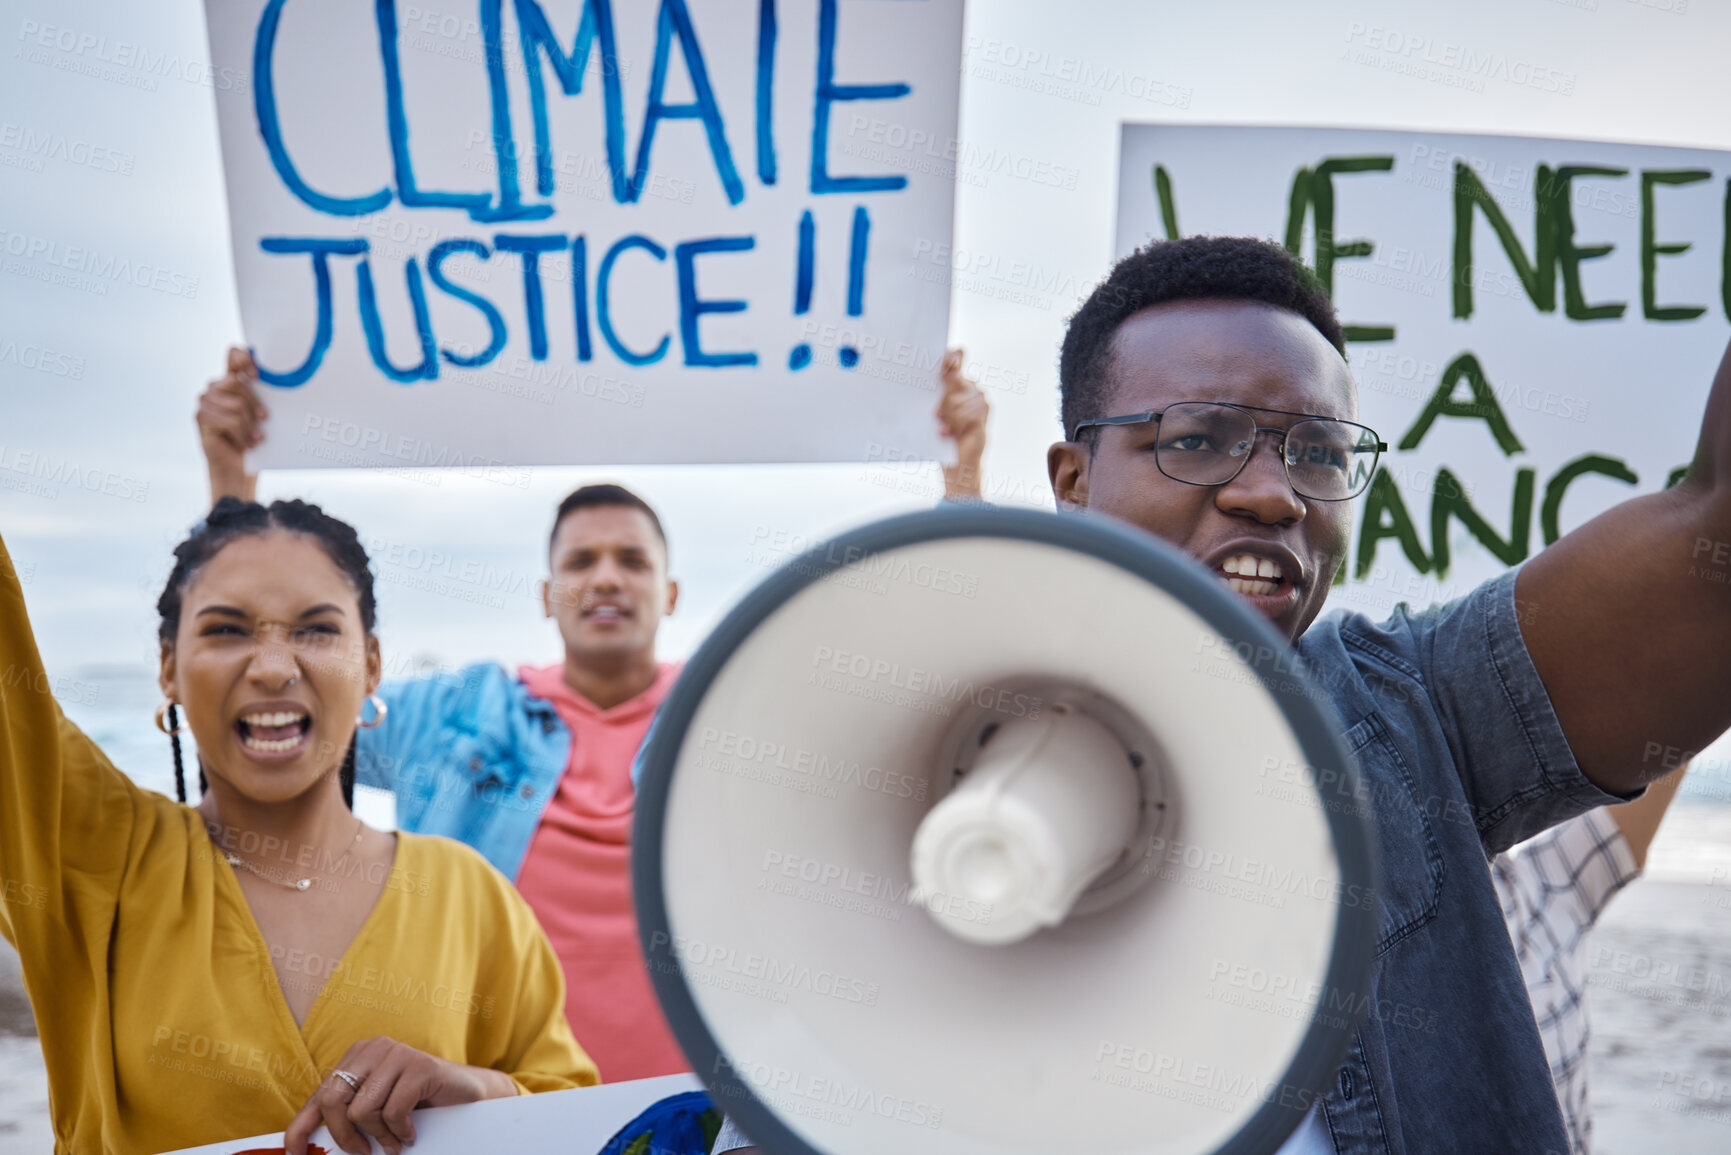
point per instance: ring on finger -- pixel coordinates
(354, 1081)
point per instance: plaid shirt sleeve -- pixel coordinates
(1553, 889)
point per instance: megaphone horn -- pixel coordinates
(949, 840)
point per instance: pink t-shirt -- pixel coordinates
(576, 877)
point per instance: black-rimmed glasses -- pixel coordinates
(1210, 442)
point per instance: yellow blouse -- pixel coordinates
(162, 1021)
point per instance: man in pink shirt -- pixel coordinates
(534, 770)
(609, 591)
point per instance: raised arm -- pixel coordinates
(65, 812)
(1628, 619)
(29, 763)
(230, 422)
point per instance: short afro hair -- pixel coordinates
(597, 496)
(1192, 269)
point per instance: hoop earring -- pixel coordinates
(379, 712)
(161, 721)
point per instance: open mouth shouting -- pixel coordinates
(275, 732)
(1253, 575)
(1270, 583)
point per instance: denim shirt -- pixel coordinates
(1461, 757)
(470, 755)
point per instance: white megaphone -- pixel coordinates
(988, 831)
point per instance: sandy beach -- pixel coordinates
(1661, 1006)
(24, 1125)
(1660, 980)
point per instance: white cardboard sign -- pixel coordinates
(1533, 324)
(576, 1122)
(488, 232)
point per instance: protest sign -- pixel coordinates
(583, 231)
(1533, 324)
(578, 1122)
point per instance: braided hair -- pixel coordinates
(229, 520)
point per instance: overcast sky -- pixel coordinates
(139, 176)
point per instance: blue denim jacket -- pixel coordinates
(470, 755)
(1461, 757)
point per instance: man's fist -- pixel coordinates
(230, 422)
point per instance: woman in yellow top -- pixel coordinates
(261, 960)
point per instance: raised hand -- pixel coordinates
(230, 422)
(962, 413)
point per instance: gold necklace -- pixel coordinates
(294, 883)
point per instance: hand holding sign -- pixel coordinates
(444, 261)
(375, 1087)
(230, 422)
(667, 1114)
(962, 413)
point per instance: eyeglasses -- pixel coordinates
(1209, 443)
